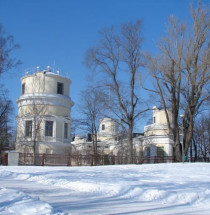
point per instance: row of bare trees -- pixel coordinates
(200, 147)
(6, 111)
(118, 59)
(91, 110)
(179, 73)
(7, 45)
(36, 110)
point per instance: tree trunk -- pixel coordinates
(178, 149)
(196, 151)
(188, 134)
(95, 150)
(191, 151)
(130, 142)
(175, 129)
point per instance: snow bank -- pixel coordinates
(144, 189)
(18, 203)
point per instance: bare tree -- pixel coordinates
(6, 111)
(30, 119)
(91, 109)
(118, 56)
(7, 46)
(196, 74)
(166, 70)
(201, 138)
(184, 56)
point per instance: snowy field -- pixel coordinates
(127, 189)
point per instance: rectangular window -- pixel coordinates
(28, 128)
(148, 151)
(60, 88)
(49, 128)
(65, 130)
(160, 151)
(154, 119)
(23, 88)
(103, 127)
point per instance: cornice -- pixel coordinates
(46, 99)
(154, 127)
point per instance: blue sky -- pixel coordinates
(61, 31)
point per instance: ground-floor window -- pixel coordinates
(48, 128)
(148, 151)
(28, 128)
(160, 151)
(65, 130)
(48, 151)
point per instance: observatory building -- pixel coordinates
(44, 114)
(108, 129)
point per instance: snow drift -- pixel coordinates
(127, 189)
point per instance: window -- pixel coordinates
(28, 128)
(60, 88)
(65, 130)
(103, 127)
(154, 119)
(160, 151)
(148, 151)
(48, 151)
(49, 128)
(23, 88)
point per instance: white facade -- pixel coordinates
(107, 139)
(108, 129)
(157, 140)
(44, 109)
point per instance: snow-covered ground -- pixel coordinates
(127, 189)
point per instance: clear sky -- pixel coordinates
(61, 31)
